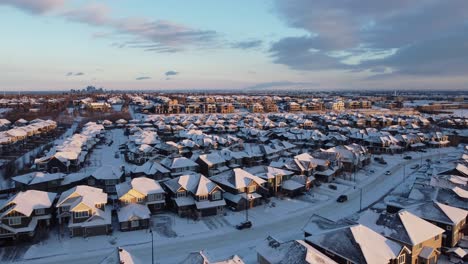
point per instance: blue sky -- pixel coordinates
(297, 44)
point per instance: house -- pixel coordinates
(195, 195)
(24, 213)
(356, 243)
(278, 181)
(243, 190)
(212, 163)
(423, 239)
(202, 257)
(179, 165)
(84, 209)
(41, 181)
(451, 219)
(150, 169)
(106, 177)
(272, 251)
(133, 216)
(143, 191)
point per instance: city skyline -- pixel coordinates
(267, 44)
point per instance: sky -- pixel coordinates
(234, 45)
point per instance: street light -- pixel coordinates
(152, 246)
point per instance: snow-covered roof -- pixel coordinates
(403, 226)
(107, 172)
(27, 201)
(133, 212)
(38, 177)
(82, 194)
(297, 251)
(237, 178)
(358, 244)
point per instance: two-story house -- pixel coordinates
(211, 163)
(106, 177)
(22, 214)
(195, 195)
(423, 239)
(346, 242)
(83, 208)
(179, 165)
(243, 189)
(144, 191)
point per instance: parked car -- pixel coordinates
(243, 225)
(388, 173)
(342, 198)
(333, 187)
(371, 171)
(422, 150)
(318, 184)
(407, 157)
(415, 166)
(383, 162)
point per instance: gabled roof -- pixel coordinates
(358, 244)
(197, 184)
(438, 212)
(404, 226)
(38, 177)
(142, 185)
(27, 201)
(237, 178)
(107, 172)
(83, 194)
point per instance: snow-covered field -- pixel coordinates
(176, 237)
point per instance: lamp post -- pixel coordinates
(360, 199)
(152, 246)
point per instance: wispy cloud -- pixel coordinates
(250, 44)
(278, 84)
(142, 78)
(34, 6)
(171, 73)
(74, 74)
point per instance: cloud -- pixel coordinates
(144, 33)
(142, 78)
(250, 44)
(277, 84)
(34, 6)
(171, 73)
(424, 35)
(74, 74)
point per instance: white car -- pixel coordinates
(388, 173)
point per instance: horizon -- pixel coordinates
(268, 45)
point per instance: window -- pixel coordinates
(203, 197)
(449, 228)
(437, 237)
(135, 223)
(14, 221)
(402, 259)
(81, 214)
(181, 194)
(40, 211)
(140, 199)
(124, 225)
(110, 188)
(65, 208)
(216, 195)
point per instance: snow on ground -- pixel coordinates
(217, 234)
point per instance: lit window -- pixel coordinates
(82, 214)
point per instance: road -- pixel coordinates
(373, 191)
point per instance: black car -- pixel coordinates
(407, 157)
(245, 224)
(342, 198)
(333, 187)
